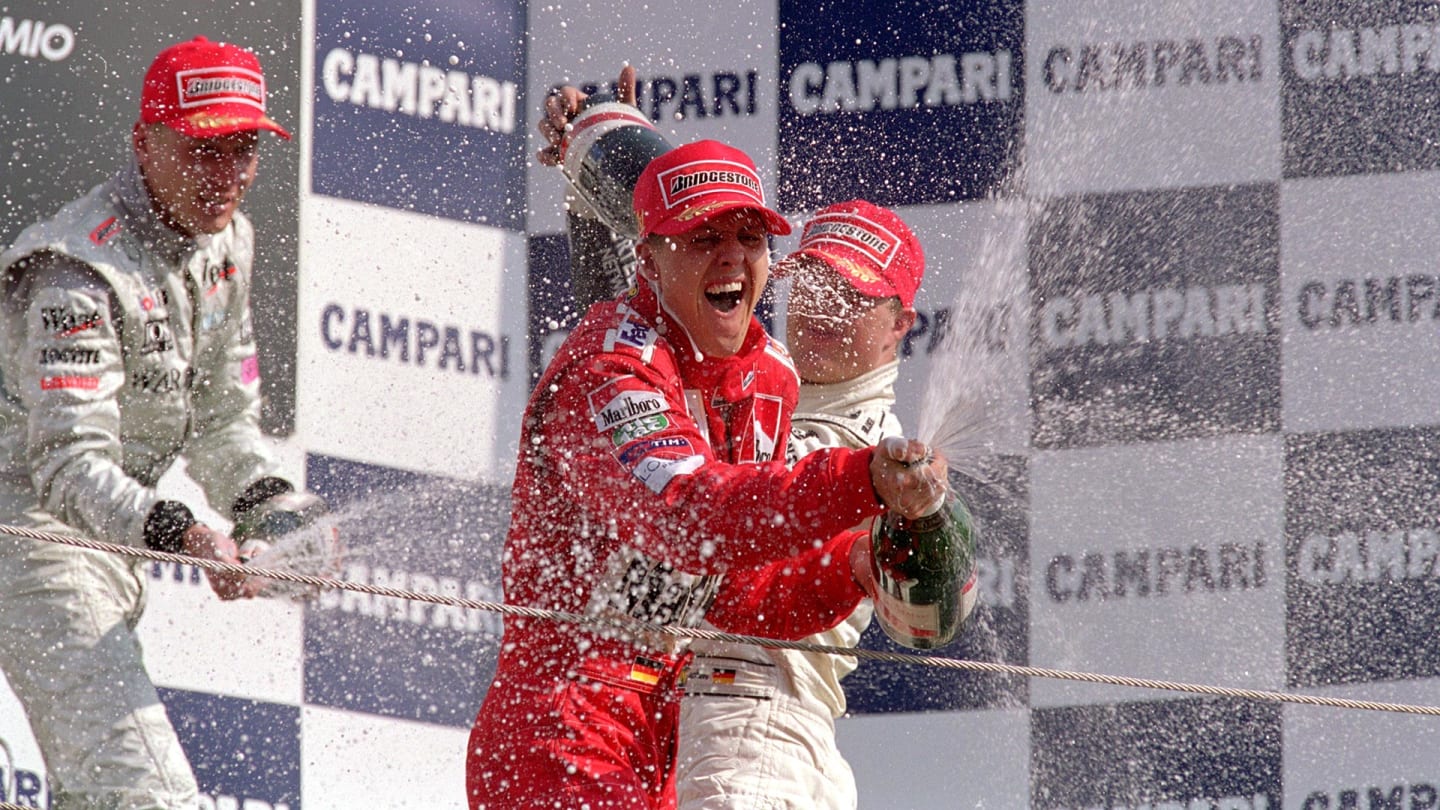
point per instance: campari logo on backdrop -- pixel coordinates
(245, 753)
(1360, 87)
(1154, 316)
(422, 111)
(1363, 556)
(700, 96)
(918, 103)
(397, 657)
(1181, 754)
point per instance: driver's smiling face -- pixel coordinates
(710, 278)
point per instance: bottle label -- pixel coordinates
(916, 621)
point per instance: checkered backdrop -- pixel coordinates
(1217, 460)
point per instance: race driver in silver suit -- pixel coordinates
(125, 342)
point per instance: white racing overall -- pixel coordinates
(757, 725)
(122, 346)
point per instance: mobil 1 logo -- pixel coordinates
(1360, 92)
(1362, 552)
(1173, 753)
(1154, 315)
(920, 103)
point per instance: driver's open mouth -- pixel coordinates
(725, 296)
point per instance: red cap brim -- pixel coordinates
(776, 224)
(209, 125)
(847, 267)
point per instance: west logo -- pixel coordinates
(66, 322)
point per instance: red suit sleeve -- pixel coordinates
(792, 598)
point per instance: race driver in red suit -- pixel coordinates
(648, 487)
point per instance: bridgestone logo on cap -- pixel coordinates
(202, 87)
(703, 177)
(870, 238)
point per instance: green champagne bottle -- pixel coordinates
(924, 574)
(607, 147)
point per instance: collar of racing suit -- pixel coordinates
(140, 219)
(874, 388)
(696, 369)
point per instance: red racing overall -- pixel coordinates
(648, 486)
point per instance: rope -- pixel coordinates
(630, 626)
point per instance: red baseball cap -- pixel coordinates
(690, 184)
(206, 89)
(870, 246)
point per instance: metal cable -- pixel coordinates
(611, 624)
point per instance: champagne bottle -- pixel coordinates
(924, 573)
(603, 153)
